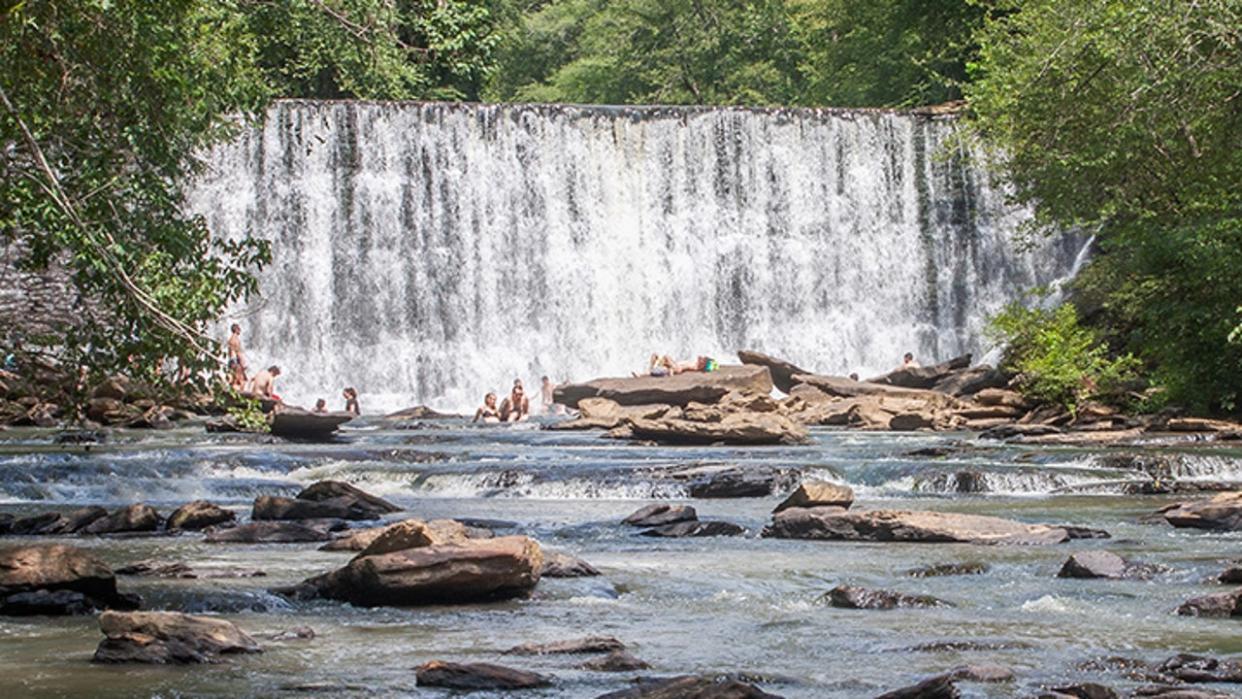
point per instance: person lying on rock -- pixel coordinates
(263, 383)
(659, 366)
(487, 412)
(700, 364)
(351, 401)
(516, 407)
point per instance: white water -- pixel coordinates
(427, 253)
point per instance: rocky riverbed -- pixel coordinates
(845, 611)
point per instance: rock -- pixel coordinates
(199, 514)
(943, 569)
(817, 493)
(155, 569)
(268, 533)
(679, 390)
(617, 661)
(851, 597)
(1104, 564)
(414, 533)
(1002, 397)
(53, 568)
(296, 423)
(660, 513)
(923, 376)
(297, 633)
(1220, 604)
(562, 565)
(45, 603)
(696, 528)
(1232, 574)
(937, 687)
(910, 422)
(602, 413)
(782, 372)
(1176, 692)
(1009, 431)
(691, 687)
(111, 411)
(169, 638)
(590, 644)
(981, 672)
(116, 388)
(1199, 668)
(134, 518)
(477, 676)
(965, 382)
(57, 523)
(733, 481)
(1222, 513)
(357, 540)
(1086, 690)
(331, 491)
(418, 412)
(344, 506)
(1196, 424)
(733, 428)
(469, 571)
(828, 523)
(990, 412)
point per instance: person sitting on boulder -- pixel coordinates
(908, 362)
(516, 407)
(351, 401)
(487, 412)
(263, 383)
(321, 406)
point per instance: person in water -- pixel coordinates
(263, 383)
(907, 362)
(487, 412)
(321, 406)
(236, 359)
(547, 395)
(351, 401)
(515, 407)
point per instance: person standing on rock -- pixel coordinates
(236, 359)
(516, 407)
(547, 394)
(351, 401)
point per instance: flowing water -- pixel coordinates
(426, 253)
(721, 605)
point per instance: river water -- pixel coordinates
(710, 605)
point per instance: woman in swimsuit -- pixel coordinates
(487, 412)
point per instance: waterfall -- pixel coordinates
(427, 252)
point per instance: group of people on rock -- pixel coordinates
(516, 406)
(263, 383)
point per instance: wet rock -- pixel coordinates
(1200, 668)
(169, 638)
(616, 661)
(478, 676)
(415, 533)
(937, 687)
(660, 513)
(827, 523)
(1104, 564)
(134, 518)
(332, 490)
(691, 687)
(967, 646)
(1177, 692)
(156, 569)
(563, 565)
(782, 372)
(356, 540)
(199, 514)
(469, 571)
(1232, 574)
(80, 437)
(981, 672)
(55, 567)
(710, 482)
(1076, 532)
(943, 569)
(590, 644)
(1082, 690)
(46, 603)
(696, 528)
(418, 412)
(732, 428)
(851, 597)
(817, 493)
(275, 507)
(1010, 431)
(268, 533)
(1220, 604)
(57, 523)
(296, 423)
(297, 633)
(679, 390)
(1222, 513)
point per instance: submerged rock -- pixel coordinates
(679, 390)
(477, 676)
(199, 514)
(695, 528)
(660, 513)
(268, 533)
(590, 644)
(1223, 512)
(50, 569)
(851, 597)
(616, 661)
(1220, 604)
(937, 687)
(829, 523)
(817, 493)
(944, 569)
(981, 672)
(691, 687)
(563, 565)
(169, 638)
(1201, 668)
(1082, 690)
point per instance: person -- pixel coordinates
(263, 383)
(547, 394)
(351, 401)
(908, 362)
(487, 412)
(703, 364)
(853, 377)
(236, 359)
(321, 406)
(515, 407)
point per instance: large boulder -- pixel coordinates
(679, 390)
(325, 499)
(199, 514)
(415, 533)
(602, 413)
(134, 518)
(563, 565)
(732, 428)
(782, 372)
(472, 570)
(965, 382)
(660, 513)
(321, 491)
(830, 523)
(1223, 512)
(852, 597)
(70, 522)
(297, 423)
(477, 676)
(169, 638)
(817, 493)
(924, 376)
(691, 687)
(710, 480)
(1220, 604)
(51, 569)
(268, 533)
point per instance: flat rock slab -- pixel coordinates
(816, 493)
(691, 687)
(590, 644)
(660, 513)
(852, 597)
(679, 390)
(169, 638)
(478, 676)
(1222, 513)
(826, 523)
(295, 423)
(744, 429)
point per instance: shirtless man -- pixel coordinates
(237, 359)
(516, 407)
(264, 383)
(547, 393)
(487, 412)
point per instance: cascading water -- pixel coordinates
(431, 252)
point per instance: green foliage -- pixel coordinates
(1123, 117)
(247, 414)
(1057, 360)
